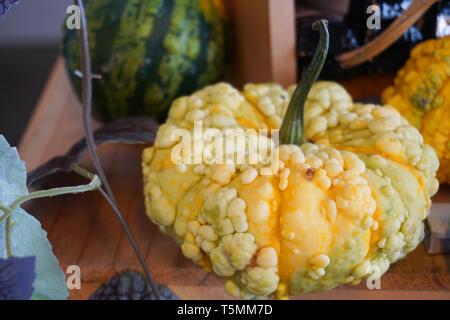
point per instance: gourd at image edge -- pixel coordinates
(421, 94)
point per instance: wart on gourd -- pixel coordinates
(325, 217)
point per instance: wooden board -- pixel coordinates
(84, 231)
(263, 48)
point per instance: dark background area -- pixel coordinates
(29, 44)
(24, 71)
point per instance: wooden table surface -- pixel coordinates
(84, 231)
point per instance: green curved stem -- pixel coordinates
(93, 185)
(5, 209)
(8, 241)
(292, 129)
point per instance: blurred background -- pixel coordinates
(30, 36)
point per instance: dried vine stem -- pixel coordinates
(93, 185)
(87, 125)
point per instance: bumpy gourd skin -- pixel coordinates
(421, 92)
(338, 209)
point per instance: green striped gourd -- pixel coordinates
(148, 52)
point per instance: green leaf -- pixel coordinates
(22, 232)
(12, 174)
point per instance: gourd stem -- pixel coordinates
(292, 129)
